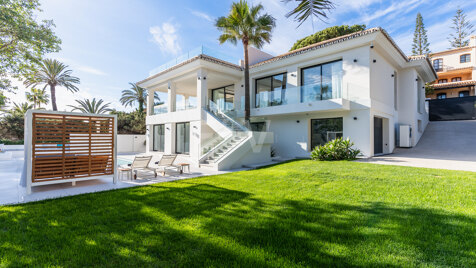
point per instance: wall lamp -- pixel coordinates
(416, 79)
(374, 60)
(293, 75)
(297, 121)
(393, 75)
(371, 44)
(355, 117)
(355, 60)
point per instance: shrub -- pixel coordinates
(11, 142)
(338, 149)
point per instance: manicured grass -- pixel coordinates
(301, 213)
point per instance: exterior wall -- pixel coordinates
(452, 92)
(131, 143)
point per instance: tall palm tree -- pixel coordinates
(37, 97)
(91, 107)
(309, 8)
(136, 94)
(246, 24)
(53, 73)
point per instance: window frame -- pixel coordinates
(453, 79)
(285, 80)
(176, 138)
(441, 94)
(441, 81)
(459, 92)
(153, 138)
(466, 56)
(440, 64)
(301, 79)
(311, 133)
(224, 94)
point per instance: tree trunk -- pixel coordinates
(53, 97)
(247, 84)
(141, 106)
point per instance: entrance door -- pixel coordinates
(378, 135)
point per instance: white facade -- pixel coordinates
(362, 76)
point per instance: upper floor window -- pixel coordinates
(464, 93)
(465, 58)
(455, 79)
(321, 82)
(442, 81)
(441, 96)
(270, 90)
(438, 64)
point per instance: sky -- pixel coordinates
(111, 43)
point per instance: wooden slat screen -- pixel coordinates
(71, 146)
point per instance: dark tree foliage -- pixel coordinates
(326, 34)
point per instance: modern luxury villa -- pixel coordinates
(361, 86)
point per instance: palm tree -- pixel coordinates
(91, 107)
(309, 8)
(37, 97)
(20, 109)
(136, 94)
(248, 25)
(53, 73)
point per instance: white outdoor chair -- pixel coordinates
(167, 162)
(142, 163)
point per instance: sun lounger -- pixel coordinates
(167, 162)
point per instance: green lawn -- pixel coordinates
(301, 213)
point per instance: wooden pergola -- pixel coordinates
(68, 147)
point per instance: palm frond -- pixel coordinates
(92, 107)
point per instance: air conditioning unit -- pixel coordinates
(405, 137)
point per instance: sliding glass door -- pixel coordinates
(321, 82)
(158, 138)
(182, 138)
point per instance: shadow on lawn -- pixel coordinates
(205, 225)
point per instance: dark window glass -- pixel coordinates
(465, 58)
(224, 98)
(321, 82)
(464, 93)
(438, 64)
(441, 96)
(182, 138)
(158, 138)
(258, 126)
(324, 130)
(270, 90)
(455, 79)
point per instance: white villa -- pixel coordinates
(360, 86)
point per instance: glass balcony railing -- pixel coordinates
(161, 109)
(292, 95)
(193, 53)
(183, 107)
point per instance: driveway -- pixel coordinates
(445, 145)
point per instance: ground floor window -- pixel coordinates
(158, 138)
(324, 130)
(441, 96)
(182, 138)
(464, 93)
(258, 126)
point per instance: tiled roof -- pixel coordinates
(449, 50)
(199, 57)
(332, 42)
(455, 84)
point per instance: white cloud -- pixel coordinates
(202, 15)
(166, 38)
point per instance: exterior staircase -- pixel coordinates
(216, 149)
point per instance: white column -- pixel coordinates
(150, 102)
(185, 101)
(202, 90)
(172, 91)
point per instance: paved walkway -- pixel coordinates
(444, 145)
(11, 192)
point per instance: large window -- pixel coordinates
(321, 82)
(465, 58)
(224, 97)
(182, 138)
(438, 64)
(324, 130)
(464, 93)
(270, 90)
(258, 126)
(158, 138)
(441, 96)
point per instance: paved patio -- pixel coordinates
(11, 192)
(444, 145)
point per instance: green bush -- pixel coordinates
(338, 149)
(11, 142)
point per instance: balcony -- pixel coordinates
(194, 53)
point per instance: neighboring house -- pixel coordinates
(456, 69)
(360, 86)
